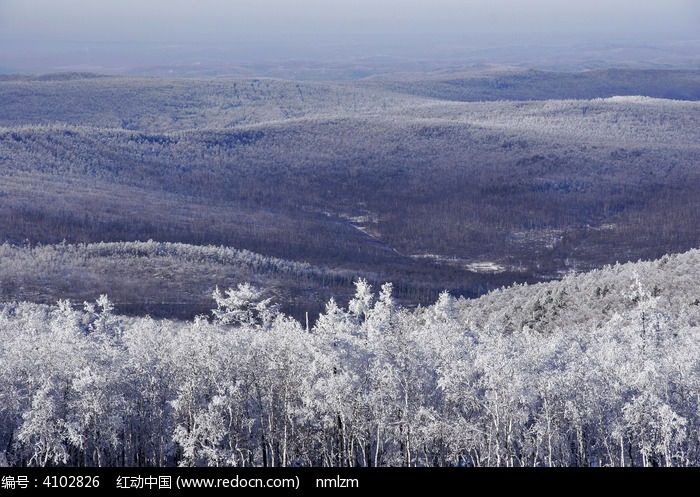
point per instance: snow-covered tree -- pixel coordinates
(243, 306)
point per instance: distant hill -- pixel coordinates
(532, 84)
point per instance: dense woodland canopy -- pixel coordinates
(597, 369)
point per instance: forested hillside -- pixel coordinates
(522, 84)
(172, 279)
(390, 180)
(598, 369)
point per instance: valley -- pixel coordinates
(466, 182)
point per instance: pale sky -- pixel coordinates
(176, 20)
(54, 22)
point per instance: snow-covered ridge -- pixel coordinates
(639, 99)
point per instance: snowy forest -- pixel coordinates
(463, 182)
(597, 369)
(489, 267)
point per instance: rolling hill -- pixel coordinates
(464, 182)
